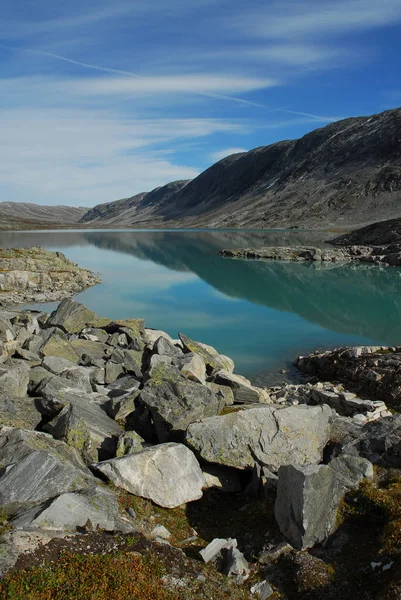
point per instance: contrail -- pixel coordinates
(131, 74)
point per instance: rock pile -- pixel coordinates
(384, 255)
(38, 275)
(85, 399)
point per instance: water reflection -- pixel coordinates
(262, 313)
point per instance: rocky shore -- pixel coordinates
(379, 255)
(33, 274)
(97, 415)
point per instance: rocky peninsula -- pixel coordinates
(37, 275)
(117, 439)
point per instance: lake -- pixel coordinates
(262, 314)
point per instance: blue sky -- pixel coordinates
(100, 100)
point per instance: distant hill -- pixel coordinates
(377, 234)
(26, 215)
(343, 175)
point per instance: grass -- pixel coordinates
(77, 576)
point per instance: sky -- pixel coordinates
(100, 99)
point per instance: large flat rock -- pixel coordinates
(167, 474)
(268, 435)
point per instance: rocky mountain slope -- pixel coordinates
(345, 174)
(377, 234)
(13, 214)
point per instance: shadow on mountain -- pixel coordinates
(350, 299)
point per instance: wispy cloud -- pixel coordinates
(219, 154)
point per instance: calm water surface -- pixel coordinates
(262, 314)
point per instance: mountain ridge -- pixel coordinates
(345, 174)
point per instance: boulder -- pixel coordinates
(151, 335)
(379, 442)
(14, 378)
(56, 365)
(164, 346)
(57, 345)
(36, 468)
(174, 402)
(129, 442)
(265, 434)
(72, 317)
(112, 372)
(210, 356)
(223, 392)
(83, 425)
(71, 510)
(95, 350)
(18, 412)
(244, 392)
(193, 367)
(308, 497)
(167, 474)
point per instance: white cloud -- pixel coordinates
(84, 157)
(293, 19)
(220, 154)
(213, 83)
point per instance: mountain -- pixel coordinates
(377, 234)
(26, 215)
(345, 174)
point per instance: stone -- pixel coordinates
(151, 335)
(71, 510)
(222, 478)
(95, 350)
(7, 333)
(94, 334)
(60, 347)
(263, 590)
(308, 497)
(120, 407)
(167, 474)
(124, 384)
(212, 360)
(223, 392)
(14, 378)
(112, 372)
(244, 392)
(379, 442)
(56, 365)
(72, 316)
(19, 412)
(36, 470)
(268, 435)
(160, 532)
(193, 367)
(164, 346)
(36, 376)
(78, 378)
(132, 361)
(235, 565)
(174, 402)
(83, 425)
(214, 548)
(129, 442)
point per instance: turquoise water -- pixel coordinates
(262, 314)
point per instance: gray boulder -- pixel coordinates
(244, 392)
(36, 468)
(71, 510)
(174, 402)
(72, 317)
(380, 442)
(14, 378)
(56, 344)
(167, 474)
(56, 365)
(164, 346)
(19, 412)
(265, 434)
(212, 359)
(308, 497)
(193, 367)
(83, 425)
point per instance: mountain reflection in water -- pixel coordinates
(261, 313)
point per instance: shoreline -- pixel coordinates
(115, 401)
